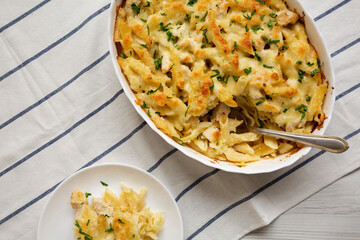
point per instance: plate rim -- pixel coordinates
(67, 179)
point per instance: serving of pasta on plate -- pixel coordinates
(192, 63)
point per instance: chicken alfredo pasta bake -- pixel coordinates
(192, 64)
(112, 217)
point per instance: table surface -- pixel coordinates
(332, 213)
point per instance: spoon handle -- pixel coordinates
(331, 144)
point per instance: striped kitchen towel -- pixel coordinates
(62, 108)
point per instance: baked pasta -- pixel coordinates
(112, 217)
(192, 63)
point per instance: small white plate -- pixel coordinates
(57, 217)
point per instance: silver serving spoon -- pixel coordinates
(327, 143)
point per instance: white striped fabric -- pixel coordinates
(62, 108)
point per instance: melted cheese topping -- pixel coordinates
(112, 217)
(193, 63)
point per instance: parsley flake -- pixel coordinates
(144, 46)
(179, 141)
(256, 29)
(204, 17)
(158, 63)
(192, 2)
(212, 86)
(260, 102)
(87, 194)
(315, 72)
(135, 8)
(217, 72)
(266, 66)
(261, 2)
(110, 229)
(153, 91)
(301, 74)
(104, 183)
(119, 220)
(147, 4)
(247, 70)
(285, 110)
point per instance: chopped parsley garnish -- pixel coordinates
(144, 45)
(110, 229)
(87, 194)
(236, 1)
(147, 26)
(257, 56)
(319, 63)
(122, 55)
(266, 66)
(87, 236)
(187, 18)
(119, 220)
(170, 36)
(212, 86)
(217, 72)
(239, 166)
(144, 105)
(164, 28)
(135, 8)
(285, 110)
(273, 15)
(301, 75)
(179, 141)
(144, 20)
(260, 123)
(269, 24)
(217, 6)
(192, 2)
(158, 113)
(87, 224)
(155, 54)
(247, 16)
(299, 62)
(302, 109)
(262, 2)
(308, 99)
(262, 17)
(197, 16)
(163, 14)
(256, 29)
(204, 17)
(204, 34)
(148, 113)
(147, 4)
(153, 91)
(269, 41)
(283, 47)
(267, 96)
(187, 110)
(223, 79)
(104, 184)
(310, 64)
(315, 72)
(247, 70)
(235, 47)
(158, 63)
(246, 28)
(260, 102)
(273, 42)
(133, 235)
(236, 78)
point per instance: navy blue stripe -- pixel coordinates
(23, 15)
(115, 145)
(263, 188)
(347, 91)
(162, 159)
(28, 204)
(345, 47)
(55, 91)
(42, 52)
(86, 165)
(331, 10)
(196, 183)
(62, 134)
